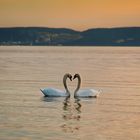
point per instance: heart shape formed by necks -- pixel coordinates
(67, 75)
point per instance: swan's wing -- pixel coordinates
(53, 92)
(87, 93)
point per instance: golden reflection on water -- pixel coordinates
(72, 114)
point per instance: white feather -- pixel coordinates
(52, 92)
(87, 93)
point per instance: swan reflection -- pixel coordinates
(71, 115)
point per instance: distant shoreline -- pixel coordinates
(42, 36)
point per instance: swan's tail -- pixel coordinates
(41, 90)
(99, 92)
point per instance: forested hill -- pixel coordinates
(129, 36)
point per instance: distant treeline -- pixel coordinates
(39, 36)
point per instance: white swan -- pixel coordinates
(84, 93)
(53, 92)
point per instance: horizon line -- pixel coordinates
(114, 27)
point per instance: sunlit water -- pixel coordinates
(26, 115)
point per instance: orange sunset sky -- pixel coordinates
(75, 14)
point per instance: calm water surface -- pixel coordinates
(26, 115)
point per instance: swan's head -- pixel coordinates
(69, 76)
(76, 75)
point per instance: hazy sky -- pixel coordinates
(76, 14)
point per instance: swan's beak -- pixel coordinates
(70, 78)
(74, 77)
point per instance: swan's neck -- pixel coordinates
(65, 85)
(78, 86)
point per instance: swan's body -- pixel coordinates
(53, 92)
(87, 93)
(84, 93)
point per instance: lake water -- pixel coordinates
(26, 115)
